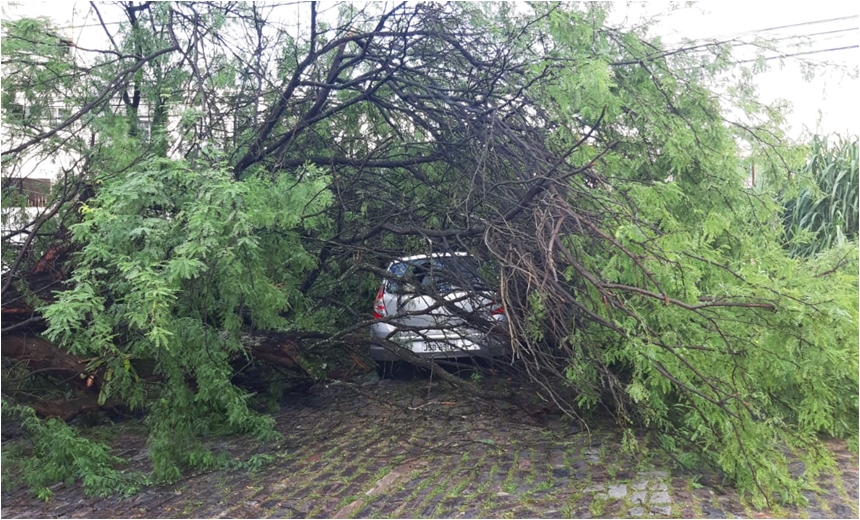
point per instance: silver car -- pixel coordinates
(433, 305)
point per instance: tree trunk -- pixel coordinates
(66, 409)
(279, 349)
(45, 357)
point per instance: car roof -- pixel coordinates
(433, 255)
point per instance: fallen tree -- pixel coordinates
(38, 358)
(587, 168)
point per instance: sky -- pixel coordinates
(826, 103)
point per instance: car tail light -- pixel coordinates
(379, 306)
(497, 309)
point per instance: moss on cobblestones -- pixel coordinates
(346, 455)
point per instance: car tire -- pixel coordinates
(394, 369)
(384, 368)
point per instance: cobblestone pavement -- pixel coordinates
(417, 449)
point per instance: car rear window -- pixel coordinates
(441, 275)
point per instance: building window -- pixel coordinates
(36, 190)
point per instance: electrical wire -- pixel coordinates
(805, 53)
(768, 29)
(814, 22)
(725, 38)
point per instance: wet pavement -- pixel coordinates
(418, 449)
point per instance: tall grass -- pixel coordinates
(825, 212)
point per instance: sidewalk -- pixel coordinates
(416, 449)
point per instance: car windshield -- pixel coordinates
(442, 275)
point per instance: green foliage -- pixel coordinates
(825, 211)
(758, 355)
(698, 323)
(37, 59)
(175, 264)
(59, 454)
(590, 163)
(734, 385)
(255, 462)
(537, 313)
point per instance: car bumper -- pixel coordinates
(434, 344)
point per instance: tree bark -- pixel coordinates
(45, 357)
(66, 409)
(279, 349)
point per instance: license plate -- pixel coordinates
(450, 346)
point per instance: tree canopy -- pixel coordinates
(225, 170)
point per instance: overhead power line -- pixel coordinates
(813, 22)
(819, 51)
(821, 33)
(731, 36)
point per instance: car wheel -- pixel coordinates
(384, 368)
(394, 369)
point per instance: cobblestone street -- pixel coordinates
(417, 449)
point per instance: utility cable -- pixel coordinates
(805, 53)
(733, 36)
